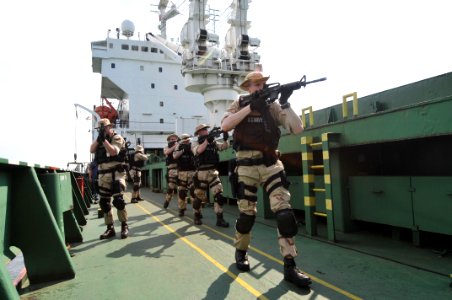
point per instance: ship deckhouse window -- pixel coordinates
(152, 85)
(161, 51)
(154, 50)
(135, 48)
(113, 65)
(161, 103)
(125, 47)
(110, 45)
(141, 68)
(175, 86)
(145, 49)
(161, 121)
(160, 69)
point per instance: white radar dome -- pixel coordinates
(127, 28)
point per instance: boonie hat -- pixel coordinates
(139, 148)
(105, 122)
(201, 127)
(170, 136)
(255, 77)
(184, 137)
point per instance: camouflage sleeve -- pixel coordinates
(140, 156)
(287, 118)
(118, 143)
(194, 147)
(233, 108)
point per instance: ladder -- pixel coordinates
(310, 144)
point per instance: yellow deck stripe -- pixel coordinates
(242, 282)
(235, 277)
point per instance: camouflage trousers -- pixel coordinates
(172, 182)
(279, 198)
(136, 177)
(112, 184)
(184, 187)
(208, 179)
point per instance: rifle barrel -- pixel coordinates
(316, 80)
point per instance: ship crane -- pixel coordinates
(211, 71)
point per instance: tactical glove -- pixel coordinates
(101, 137)
(210, 139)
(285, 94)
(225, 135)
(258, 104)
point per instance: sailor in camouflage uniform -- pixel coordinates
(139, 160)
(110, 155)
(171, 165)
(206, 176)
(185, 170)
(256, 136)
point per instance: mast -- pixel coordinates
(211, 71)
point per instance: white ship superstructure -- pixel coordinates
(213, 72)
(144, 76)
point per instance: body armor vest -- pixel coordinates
(186, 162)
(210, 156)
(101, 154)
(138, 163)
(170, 159)
(257, 132)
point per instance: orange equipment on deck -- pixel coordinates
(108, 112)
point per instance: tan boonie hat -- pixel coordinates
(255, 77)
(105, 122)
(201, 127)
(170, 136)
(139, 148)
(184, 137)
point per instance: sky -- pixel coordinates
(360, 46)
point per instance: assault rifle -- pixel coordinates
(214, 133)
(271, 91)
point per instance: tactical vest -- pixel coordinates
(138, 163)
(210, 156)
(186, 162)
(170, 159)
(101, 153)
(257, 132)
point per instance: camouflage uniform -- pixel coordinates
(171, 165)
(112, 181)
(256, 136)
(139, 160)
(206, 176)
(185, 171)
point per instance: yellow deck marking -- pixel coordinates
(242, 282)
(232, 275)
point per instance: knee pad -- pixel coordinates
(287, 224)
(136, 188)
(136, 179)
(104, 204)
(119, 202)
(220, 199)
(244, 223)
(170, 191)
(182, 194)
(197, 203)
